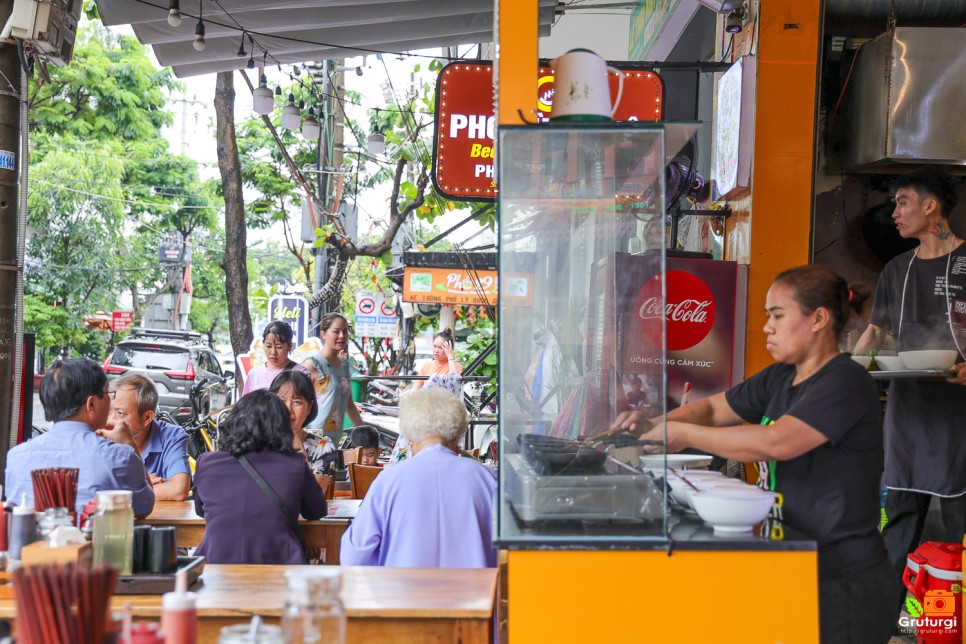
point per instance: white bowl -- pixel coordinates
(890, 363)
(682, 461)
(679, 489)
(865, 361)
(731, 511)
(726, 485)
(932, 360)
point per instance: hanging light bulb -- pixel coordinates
(174, 13)
(291, 117)
(376, 143)
(263, 100)
(310, 127)
(241, 47)
(278, 90)
(199, 44)
(251, 62)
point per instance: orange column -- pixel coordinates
(515, 67)
(784, 156)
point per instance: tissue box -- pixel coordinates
(40, 553)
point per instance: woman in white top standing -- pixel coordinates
(277, 343)
(330, 375)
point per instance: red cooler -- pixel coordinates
(934, 576)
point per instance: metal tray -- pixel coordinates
(152, 583)
(913, 373)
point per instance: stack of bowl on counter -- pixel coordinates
(729, 505)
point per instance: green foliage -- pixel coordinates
(105, 188)
(483, 333)
(111, 90)
(399, 127)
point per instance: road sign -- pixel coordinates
(375, 316)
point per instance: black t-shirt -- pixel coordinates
(925, 443)
(832, 492)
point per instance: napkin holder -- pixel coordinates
(41, 553)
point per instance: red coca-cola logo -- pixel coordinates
(689, 310)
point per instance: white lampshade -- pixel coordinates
(263, 100)
(376, 143)
(310, 127)
(291, 117)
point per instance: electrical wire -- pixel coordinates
(238, 27)
(118, 199)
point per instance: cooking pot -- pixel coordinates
(581, 91)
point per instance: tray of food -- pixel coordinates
(153, 583)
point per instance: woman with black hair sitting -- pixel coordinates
(243, 522)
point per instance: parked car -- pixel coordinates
(183, 367)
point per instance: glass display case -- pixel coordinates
(582, 328)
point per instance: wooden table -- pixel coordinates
(386, 605)
(324, 533)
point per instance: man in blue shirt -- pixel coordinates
(75, 397)
(134, 400)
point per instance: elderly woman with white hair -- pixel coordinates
(431, 510)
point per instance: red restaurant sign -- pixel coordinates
(122, 320)
(463, 150)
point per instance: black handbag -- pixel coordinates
(262, 483)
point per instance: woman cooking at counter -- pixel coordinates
(816, 431)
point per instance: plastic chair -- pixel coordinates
(361, 478)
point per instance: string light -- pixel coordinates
(263, 100)
(376, 143)
(199, 43)
(310, 126)
(174, 13)
(291, 117)
(241, 47)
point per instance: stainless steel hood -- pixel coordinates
(906, 100)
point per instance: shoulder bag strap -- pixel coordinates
(262, 483)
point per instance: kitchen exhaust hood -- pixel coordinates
(906, 101)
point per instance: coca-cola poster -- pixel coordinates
(704, 317)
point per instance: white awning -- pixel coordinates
(298, 31)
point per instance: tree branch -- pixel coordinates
(396, 217)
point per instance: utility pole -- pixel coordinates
(11, 269)
(329, 159)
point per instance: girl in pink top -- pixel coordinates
(277, 341)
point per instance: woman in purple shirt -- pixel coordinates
(432, 510)
(242, 523)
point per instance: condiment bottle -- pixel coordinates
(313, 609)
(179, 619)
(114, 530)
(23, 529)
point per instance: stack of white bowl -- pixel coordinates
(727, 504)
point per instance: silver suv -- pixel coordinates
(183, 367)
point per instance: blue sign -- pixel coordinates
(293, 309)
(8, 160)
